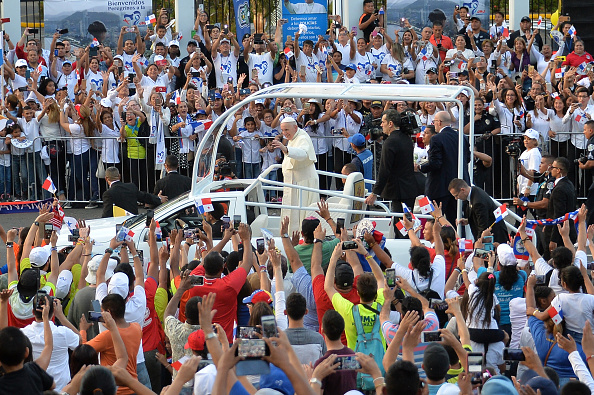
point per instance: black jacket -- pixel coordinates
(561, 202)
(479, 212)
(396, 177)
(442, 165)
(173, 185)
(126, 196)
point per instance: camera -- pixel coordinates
(582, 159)
(513, 148)
(410, 123)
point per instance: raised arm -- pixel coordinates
(329, 281)
(118, 343)
(244, 235)
(290, 251)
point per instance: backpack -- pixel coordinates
(429, 294)
(369, 344)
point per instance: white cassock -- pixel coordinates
(299, 169)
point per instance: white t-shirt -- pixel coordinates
(540, 122)
(64, 339)
(250, 146)
(378, 56)
(476, 320)
(320, 144)
(422, 283)
(69, 81)
(49, 130)
(531, 161)
(576, 308)
(18, 82)
(31, 131)
(364, 65)
(225, 67)
(310, 63)
(80, 144)
(395, 66)
(264, 64)
(541, 267)
(345, 50)
(345, 121)
(451, 54)
(95, 78)
(110, 150)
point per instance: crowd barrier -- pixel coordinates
(75, 173)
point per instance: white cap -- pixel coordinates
(105, 102)
(506, 255)
(225, 40)
(532, 134)
(158, 58)
(119, 285)
(93, 266)
(63, 284)
(20, 63)
(39, 256)
(173, 42)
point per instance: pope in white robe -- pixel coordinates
(298, 169)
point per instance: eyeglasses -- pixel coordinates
(555, 167)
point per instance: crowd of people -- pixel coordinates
(327, 313)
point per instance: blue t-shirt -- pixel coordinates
(543, 341)
(504, 296)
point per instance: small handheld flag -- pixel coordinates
(200, 126)
(505, 32)
(151, 19)
(58, 217)
(288, 53)
(49, 186)
(500, 212)
(426, 205)
(401, 228)
(465, 245)
(572, 32)
(124, 234)
(204, 205)
(556, 313)
(539, 21)
(94, 43)
(178, 364)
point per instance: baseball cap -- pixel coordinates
(105, 102)
(66, 62)
(120, 57)
(225, 40)
(93, 266)
(343, 274)
(436, 362)
(259, 101)
(475, 17)
(173, 43)
(63, 284)
(119, 285)
(531, 134)
(498, 385)
(158, 58)
(218, 96)
(277, 380)
(196, 341)
(39, 256)
(376, 103)
(506, 255)
(431, 70)
(546, 386)
(258, 295)
(525, 19)
(200, 112)
(20, 63)
(357, 139)
(27, 285)
(247, 35)
(192, 42)
(350, 66)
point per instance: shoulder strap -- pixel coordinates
(370, 308)
(430, 279)
(549, 353)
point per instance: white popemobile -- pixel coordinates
(246, 197)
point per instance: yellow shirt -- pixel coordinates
(345, 308)
(135, 149)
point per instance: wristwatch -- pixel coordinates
(525, 204)
(313, 380)
(108, 251)
(318, 241)
(36, 223)
(285, 235)
(210, 336)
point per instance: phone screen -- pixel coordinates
(260, 246)
(47, 230)
(513, 354)
(430, 336)
(347, 362)
(252, 348)
(269, 326)
(236, 221)
(391, 277)
(226, 222)
(475, 367)
(248, 332)
(339, 225)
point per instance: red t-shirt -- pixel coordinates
(21, 54)
(152, 332)
(445, 42)
(225, 304)
(323, 302)
(574, 60)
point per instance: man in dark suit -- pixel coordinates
(442, 164)
(125, 195)
(396, 176)
(561, 201)
(479, 210)
(173, 184)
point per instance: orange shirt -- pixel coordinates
(103, 344)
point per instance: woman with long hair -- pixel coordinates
(82, 130)
(559, 132)
(538, 119)
(53, 137)
(482, 314)
(110, 148)
(459, 54)
(393, 65)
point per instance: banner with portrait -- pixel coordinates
(423, 13)
(313, 14)
(100, 19)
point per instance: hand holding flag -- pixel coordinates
(500, 213)
(204, 205)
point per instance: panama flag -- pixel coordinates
(426, 205)
(200, 126)
(572, 32)
(124, 234)
(178, 364)
(500, 212)
(288, 52)
(49, 186)
(539, 21)
(423, 54)
(406, 210)
(158, 231)
(94, 43)
(401, 228)
(151, 19)
(505, 32)
(204, 205)
(465, 245)
(556, 313)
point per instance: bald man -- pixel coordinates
(298, 169)
(442, 164)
